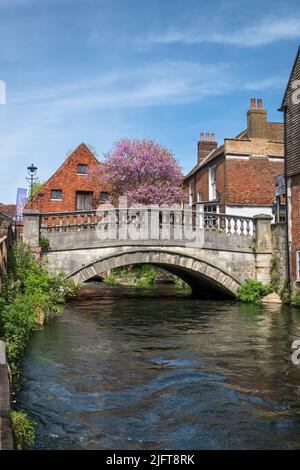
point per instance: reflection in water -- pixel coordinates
(126, 368)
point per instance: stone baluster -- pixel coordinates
(235, 225)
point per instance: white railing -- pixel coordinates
(166, 219)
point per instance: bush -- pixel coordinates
(180, 283)
(23, 429)
(147, 276)
(29, 297)
(253, 291)
(295, 301)
(110, 279)
(44, 243)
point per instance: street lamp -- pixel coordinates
(31, 180)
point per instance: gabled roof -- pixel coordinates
(283, 104)
(83, 147)
(274, 132)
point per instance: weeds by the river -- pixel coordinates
(23, 429)
(29, 297)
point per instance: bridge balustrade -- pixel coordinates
(165, 218)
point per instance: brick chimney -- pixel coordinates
(257, 120)
(205, 146)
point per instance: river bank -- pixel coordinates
(142, 276)
(29, 297)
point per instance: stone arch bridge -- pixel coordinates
(230, 250)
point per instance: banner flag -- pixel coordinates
(21, 203)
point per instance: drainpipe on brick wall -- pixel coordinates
(287, 235)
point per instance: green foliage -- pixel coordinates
(253, 291)
(29, 297)
(180, 283)
(110, 279)
(147, 276)
(23, 429)
(139, 276)
(295, 301)
(44, 243)
(274, 271)
(35, 189)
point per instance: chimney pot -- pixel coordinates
(257, 121)
(205, 146)
(253, 102)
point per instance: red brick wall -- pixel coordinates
(67, 179)
(252, 181)
(295, 225)
(202, 181)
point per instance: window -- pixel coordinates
(212, 186)
(82, 169)
(298, 264)
(84, 200)
(213, 208)
(190, 193)
(56, 194)
(104, 195)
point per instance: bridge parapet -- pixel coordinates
(162, 226)
(88, 220)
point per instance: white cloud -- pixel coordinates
(264, 84)
(165, 82)
(267, 31)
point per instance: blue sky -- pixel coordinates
(97, 70)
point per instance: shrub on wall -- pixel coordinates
(252, 291)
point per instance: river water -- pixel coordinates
(127, 368)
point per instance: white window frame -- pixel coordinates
(56, 198)
(298, 265)
(190, 193)
(212, 183)
(79, 173)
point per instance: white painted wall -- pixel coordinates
(248, 211)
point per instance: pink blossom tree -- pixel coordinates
(142, 170)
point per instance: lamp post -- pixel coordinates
(31, 180)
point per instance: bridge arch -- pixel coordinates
(204, 278)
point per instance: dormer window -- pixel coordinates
(82, 169)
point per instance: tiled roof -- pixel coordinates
(8, 209)
(274, 132)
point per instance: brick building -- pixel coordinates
(291, 108)
(238, 176)
(70, 188)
